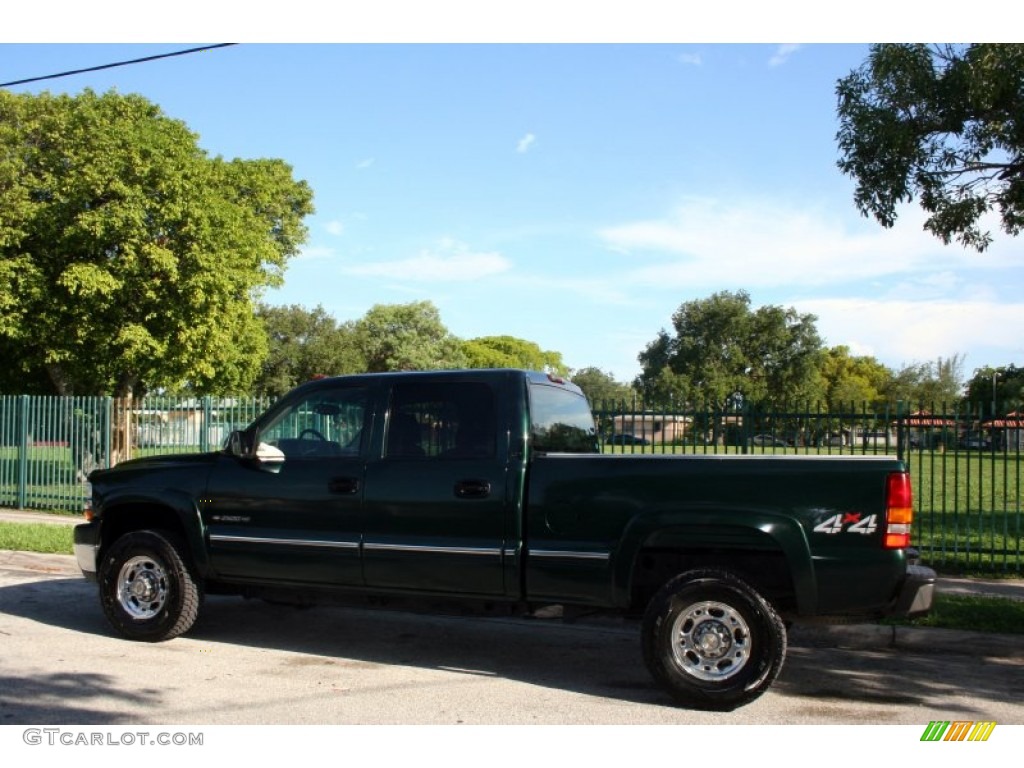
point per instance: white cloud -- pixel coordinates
(903, 331)
(366, 162)
(782, 54)
(692, 59)
(335, 227)
(704, 242)
(898, 294)
(525, 143)
(448, 261)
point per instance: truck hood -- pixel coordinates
(150, 464)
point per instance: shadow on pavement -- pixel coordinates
(593, 657)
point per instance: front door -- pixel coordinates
(296, 519)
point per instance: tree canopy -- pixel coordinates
(129, 258)
(511, 352)
(304, 343)
(406, 337)
(601, 387)
(853, 380)
(723, 351)
(940, 123)
(928, 385)
(996, 390)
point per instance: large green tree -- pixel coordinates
(722, 351)
(511, 352)
(130, 258)
(304, 343)
(930, 385)
(854, 380)
(998, 390)
(407, 337)
(940, 123)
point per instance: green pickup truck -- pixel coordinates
(489, 485)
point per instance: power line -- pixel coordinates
(116, 64)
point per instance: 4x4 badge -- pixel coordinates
(851, 522)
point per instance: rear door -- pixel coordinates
(437, 517)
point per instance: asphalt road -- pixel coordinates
(247, 662)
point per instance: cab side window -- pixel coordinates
(326, 422)
(452, 420)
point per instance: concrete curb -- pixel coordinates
(22, 516)
(37, 562)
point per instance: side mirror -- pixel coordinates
(269, 455)
(265, 456)
(239, 443)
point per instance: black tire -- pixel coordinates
(147, 590)
(712, 641)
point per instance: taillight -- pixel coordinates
(899, 510)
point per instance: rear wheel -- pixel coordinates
(712, 641)
(146, 589)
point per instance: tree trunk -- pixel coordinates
(121, 419)
(59, 380)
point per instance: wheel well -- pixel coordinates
(137, 517)
(765, 570)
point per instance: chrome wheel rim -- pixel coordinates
(142, 588)
(710, 641)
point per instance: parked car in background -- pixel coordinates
(627, 440)
(832, 439)
(973, 441)
(768, 440)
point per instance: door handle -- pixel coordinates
(472, 489)
(345, 485)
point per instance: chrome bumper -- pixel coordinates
(87, 548)
(917, 593)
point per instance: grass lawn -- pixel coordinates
(36, 537)
(977, 614)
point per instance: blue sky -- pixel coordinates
(574, 195)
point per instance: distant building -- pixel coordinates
(653, 427)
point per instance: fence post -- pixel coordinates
(106, 425)
(745, 433)
(204, 435)
(22, 488)
(901, 436)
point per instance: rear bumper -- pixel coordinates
(916, 593)
(87, 547)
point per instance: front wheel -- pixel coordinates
(146, 589)
(712, 641)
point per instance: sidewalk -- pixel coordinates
(26, 516)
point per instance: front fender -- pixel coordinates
(130, 509)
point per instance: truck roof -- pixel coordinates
(464, 374)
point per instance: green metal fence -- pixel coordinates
(965, 465)
(48, 445)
